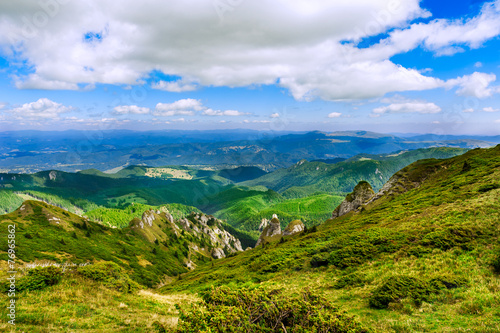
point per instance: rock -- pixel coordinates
(361, 195)
(293, 228)
(148, 217)
(263, 224)
(270, 231)
(218, 253)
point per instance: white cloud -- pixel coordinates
(231, 113)
(44, 108)
(175, 86)
(274, 115)
(436, 122)
(134, 109)
(246, 121)
(478, 64)
(490, 109)
(447, 37)
(2, 105)
(469, 110)
(410, 107)
(334, 115)
(305, 53)
(475, 85)
(185, 107)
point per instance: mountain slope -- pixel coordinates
(421, 257)
(152, 248)
(305, 178)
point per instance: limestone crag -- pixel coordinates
(272, 231)
(361, 194)
(293, 228)
(203, 234)
(264, 223)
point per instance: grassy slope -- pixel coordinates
(75, 240)
(81, 304)
(448, 228)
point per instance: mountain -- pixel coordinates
(151, 248)
(31, 151)
(307, 191)
(305, 178)
(425, 247)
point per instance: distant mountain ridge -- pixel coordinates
(33, 151)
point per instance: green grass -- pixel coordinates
(426, 256)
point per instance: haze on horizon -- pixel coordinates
(404, 66)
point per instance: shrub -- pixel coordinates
(352, 255)
(244, 310)
(350, 280)
(447, 281)
(488, 187)
(399, 287)
(110, 274)
(40, 278)
(319, 260)
(450, 237)
(496, 264)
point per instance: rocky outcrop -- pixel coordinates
(361, 194)
(263, 224)
(218, 253)
(202, 234)
(273, 231)
(293, 228)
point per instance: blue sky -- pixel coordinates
(381, 65)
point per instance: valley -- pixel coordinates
(395, 260)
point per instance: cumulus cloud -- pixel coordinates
(334, 115)
(131, 109)
(474, 85)
(231, 113)
(468, 110)
(246, 121)
(312, 52)
(274, 115)
(175, 86)
(44, 108)
(410, 107)
(490, 109)
(185, 107)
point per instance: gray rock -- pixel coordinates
(361, 195)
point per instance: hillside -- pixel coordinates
(308, 191)
(422, 256)
(305, 178)
(152, 248)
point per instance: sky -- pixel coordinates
(392, 66)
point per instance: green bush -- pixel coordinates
(352, 255)
(447, 281)
(496, 264)
(40, 278)
(350, 280)
(110, 274)
(450, 237)
(399, 287)
(320, 259)
(244, 310)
